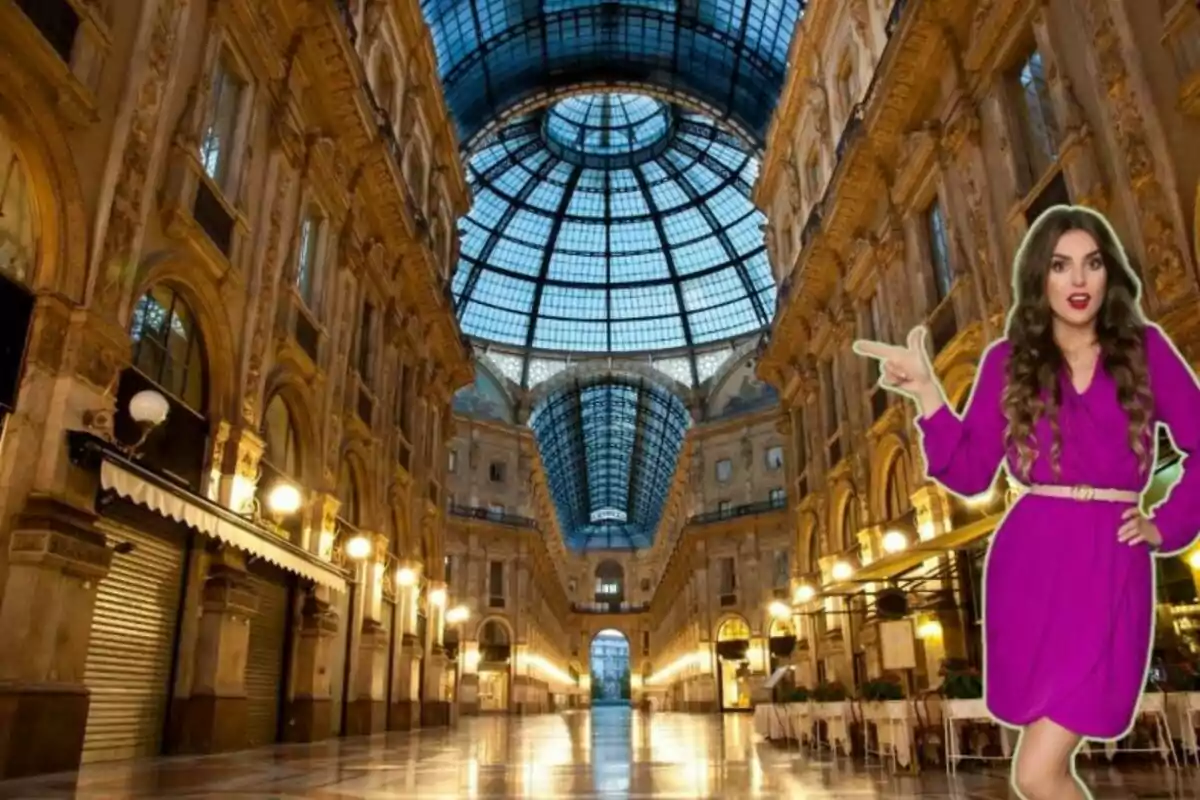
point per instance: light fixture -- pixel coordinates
(779, 610)
(842, 571)
(283, 499)
(1193, 559)
(804, 593)
(894, 542)
(458, 614)
(437, 596)
(149, 408)
(929, 629)
(405, 576)
(358, 548)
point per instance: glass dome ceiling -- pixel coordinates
(612, 224)
(610, 449)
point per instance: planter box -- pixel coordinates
(884, 710)
(836, 710)
(966, 709)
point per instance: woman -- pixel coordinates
(1068, 401)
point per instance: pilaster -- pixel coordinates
(56, 559)
(311, 705)
(367, 712)
(212, 719)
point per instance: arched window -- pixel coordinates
(18, 245)
(348, 495)
(166, 348)
(733, 629)
(282, 445)
(897, 499)
(168, 356)
(850, 524)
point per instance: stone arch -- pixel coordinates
(809, 543)
(842, 509)
(352, 468)
(495, 619)
(725, 619)
(587, 370)
(890, 451)
(212, 321)
(61, 221)
(294, 392)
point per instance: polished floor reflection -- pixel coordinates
(609, 753)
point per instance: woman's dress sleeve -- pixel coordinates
(1176, 405)
(963, 455)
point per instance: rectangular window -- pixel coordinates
(216, 144)
(775, 456)
(448, 576)
(365, 325)
(727, 580)
(724, 508)
(778, 497)
(402, 399)
(452, 461)
(306, 266)
(724, 470)
(1036, 110)
(783, 568)
(496, 472)
(939, 250)
(496, 582)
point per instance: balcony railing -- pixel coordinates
(602, 607)
(487, 514)
(747, 510)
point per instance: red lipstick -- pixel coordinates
(1080, 301)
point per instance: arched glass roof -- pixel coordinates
(612, 224)
(729, 55)
(610, 449)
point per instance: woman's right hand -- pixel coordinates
(903, 369)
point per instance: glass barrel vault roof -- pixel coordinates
(726, 54)
(610, 449)
(612, 223)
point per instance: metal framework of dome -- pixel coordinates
(728, 56)
(610, 449)
(612, 224)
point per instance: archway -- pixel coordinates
(733, 664)
(609, 661)
(18, 254)
(495, 656)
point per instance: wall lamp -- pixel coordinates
(148, 409)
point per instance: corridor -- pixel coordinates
(611, 753)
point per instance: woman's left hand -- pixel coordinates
(1136, 529)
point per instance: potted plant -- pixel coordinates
(962, 690)
(882, 690)
(829, 692)
(799, 695)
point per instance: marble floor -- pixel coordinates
(611, 753)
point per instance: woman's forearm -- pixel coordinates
(929, 398)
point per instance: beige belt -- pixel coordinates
(1086, 493)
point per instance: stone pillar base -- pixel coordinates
(205, 723)
(404, 715)
(365, 717)
(435, 714)
(41, 729)
(309, 720)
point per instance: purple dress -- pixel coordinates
(1068, 609)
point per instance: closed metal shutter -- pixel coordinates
(264, 662)
(128, 666)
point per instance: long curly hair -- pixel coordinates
(1033, 388)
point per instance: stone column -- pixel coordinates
(312, 701)
(367, 712)
(212, 719)
(405, 711)
(435, 705)
(56, 558)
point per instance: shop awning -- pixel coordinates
(146, 489)
(894, 564)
